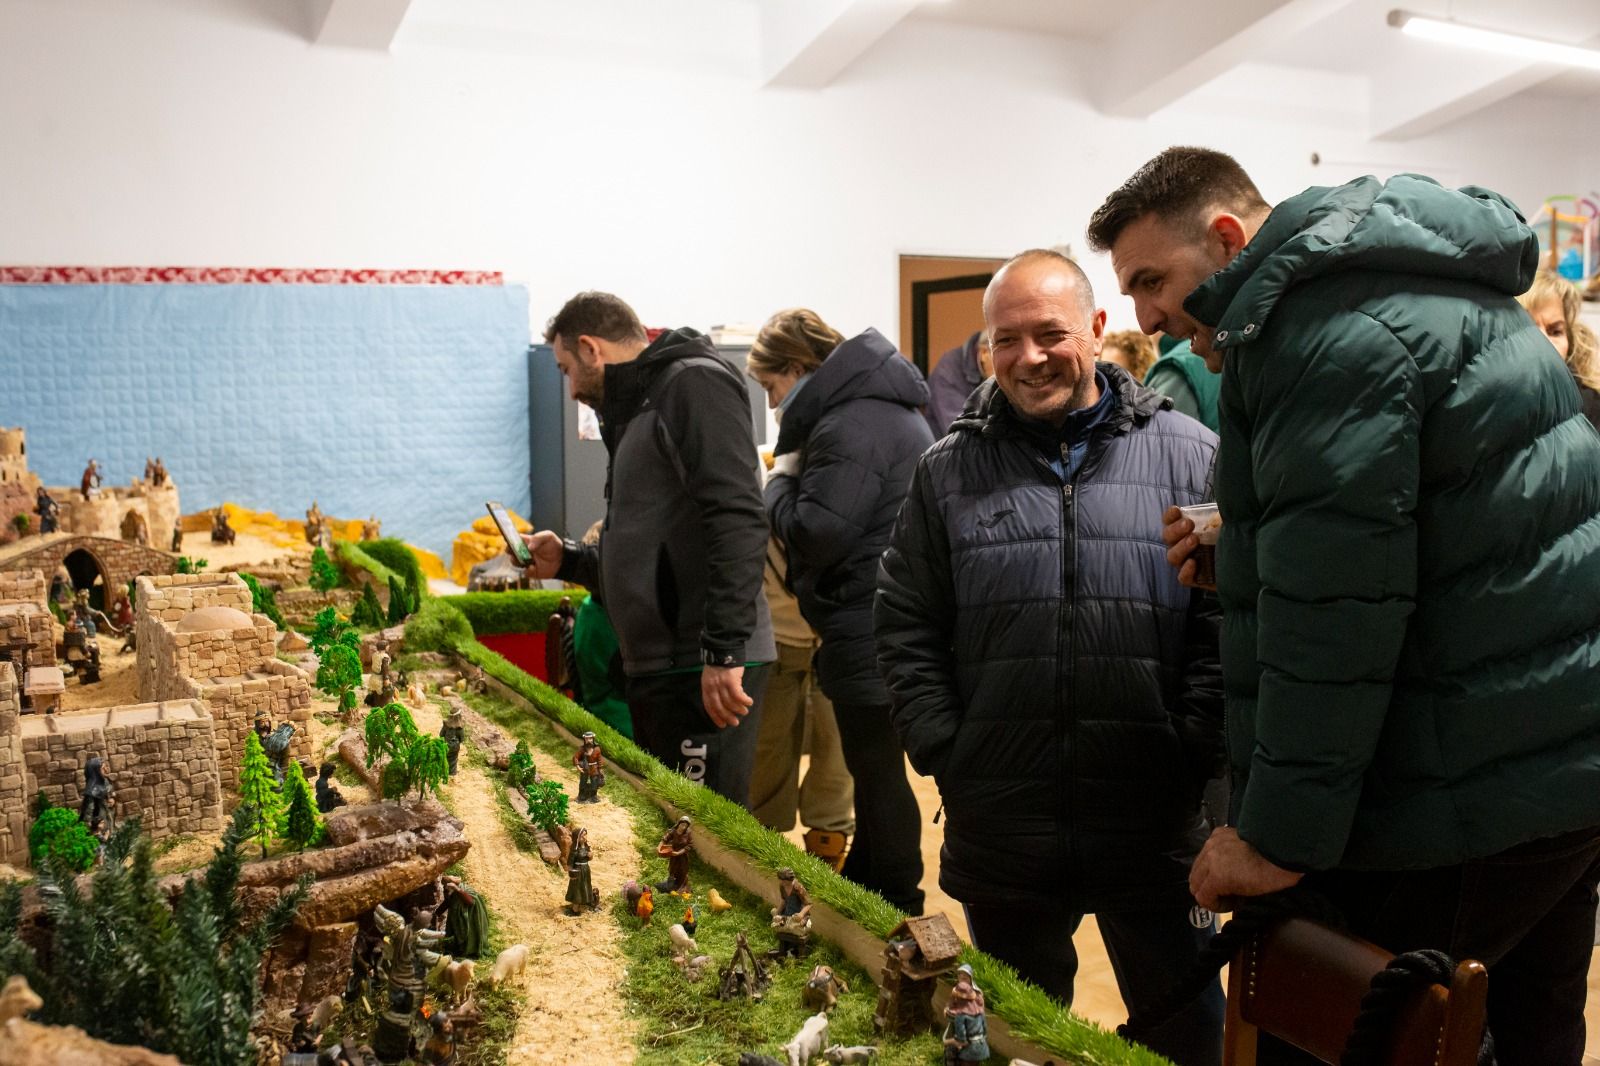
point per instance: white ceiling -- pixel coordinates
(1149, 54)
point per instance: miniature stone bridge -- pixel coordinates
(114, 562)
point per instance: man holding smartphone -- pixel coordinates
(679, 563)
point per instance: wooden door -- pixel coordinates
(941, 304)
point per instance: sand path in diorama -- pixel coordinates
(575, 1010)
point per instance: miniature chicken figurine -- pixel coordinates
(717, 904)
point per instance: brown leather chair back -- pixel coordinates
(1303, 982)
(559, 654)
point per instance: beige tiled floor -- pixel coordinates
(1097, 995)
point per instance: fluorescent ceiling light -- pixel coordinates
(1509, 44)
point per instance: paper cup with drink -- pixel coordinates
(1207, 524)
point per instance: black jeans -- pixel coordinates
(1148, 949)
(1526, 913)
(670, 722)
(886, 853)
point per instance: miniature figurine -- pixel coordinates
(753, 1058)
(149, 469)
(838, 1054)
(466, 918)
(822, 989)
(966, 1036)
(329, 797)
(674, 847)
(381, 662)
(407, 958)
(474, 680)
(591, 765)
(808, 1043)
(440, 1050)
(640, 900)
(221, 531)
(581, 892)
(48, 510)
(745, 975)
(717, 904)
(689, 924)
(509, 963)
(81, 651)
(303, 1038)
(121, 612)
(98, 798)
(371, 529)
(158, 476)
(316, 527)
(682, 943)
(177, 535)
(791, 918)
(83, 612)
(91, 479)
(275, 742)
(454, 731)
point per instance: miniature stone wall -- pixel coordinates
(23, 586)
(31, 625)
(161, 759)
(102, 515)
(234, 673)
(13, 782)
(119, 561)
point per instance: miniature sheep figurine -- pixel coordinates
(326, 1010)
(807, 1043)
(510, 963)
(839, 1054)
(682, 942)
(458, 975)
(17, 998)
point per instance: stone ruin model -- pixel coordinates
(142, 513)
(206, 669)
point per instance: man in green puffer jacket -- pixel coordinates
(1409, 566)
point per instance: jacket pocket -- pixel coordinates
(668, 600)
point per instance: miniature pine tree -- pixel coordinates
(414, 590)
(519, 767)
(397, 602)
(300, 823)
(368, 613)
(324, 575)
(258, 788)
(339, 674)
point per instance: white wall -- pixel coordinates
(211, 132)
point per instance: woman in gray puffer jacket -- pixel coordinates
(850, 433)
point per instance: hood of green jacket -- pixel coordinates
(1409, 225)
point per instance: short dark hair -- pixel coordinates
(1178, 184)
(1050, 255)
(594, 314)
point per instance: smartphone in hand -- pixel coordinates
(508, 529)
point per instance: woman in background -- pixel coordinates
(1555, 303)
(850, 433)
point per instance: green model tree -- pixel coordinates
(414, 590)
(22, 522)
(124, 968)
(328, 628)
(339, 674)
(389, 731)
(427, 765)
(186, 565)
(398, 605)
(262, 600)
(58, 835)
(301, 823)
(547, 804)
(259, 790)
(368, 613)
(324, 575)
(519, 767)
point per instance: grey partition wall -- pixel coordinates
(568, 475)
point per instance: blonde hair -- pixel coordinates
(796, 339)
(1583, 351)
(1139, 349)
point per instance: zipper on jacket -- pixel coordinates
(1066, 713)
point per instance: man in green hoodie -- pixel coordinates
(1409, 567)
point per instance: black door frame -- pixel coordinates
(920, 291)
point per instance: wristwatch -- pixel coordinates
(725, 660)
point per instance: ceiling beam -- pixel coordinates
(805, 44)
(1438, 84)
(368, 24)
(1179, 46)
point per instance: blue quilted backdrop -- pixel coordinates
(408, 402)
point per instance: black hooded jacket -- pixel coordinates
(859, 431)
(1047, 669)
(684, 544)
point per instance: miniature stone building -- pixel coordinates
(197, 640)
(162, 758)
(18, 486)
(113, 562)
(26, 634)
(919, 951)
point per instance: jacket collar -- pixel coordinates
(990, 413)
